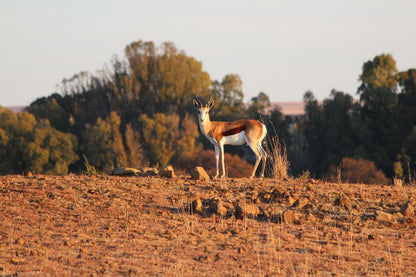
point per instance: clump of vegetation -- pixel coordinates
(89, 168)
(279, 164)
(357, 171)
(32, 145)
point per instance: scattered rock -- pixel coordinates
(197, 206)
(199, 173)
(343, 201)
(290, 200)
(216, 206)
(148, 171)
(20, 241)
(383, 216)
(246, 210)
(167, 172)
(67, 243)
(408, 210)
(16, 261)
(125, 171)
(290, 217)
(301, 202)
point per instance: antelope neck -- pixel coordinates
(205, 125)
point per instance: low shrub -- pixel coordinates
(356, 171)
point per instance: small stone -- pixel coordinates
(408, 210)
(343, 201)
(20, 241)
(148, 171)
(199, 173)
(67, 243)
(216, 206)
(290, 217)
(125, 171)
(301, 202)
(16, 261)
(290, 200)
(246, 210)
(167, 172)
(383, 216)
(197, 206)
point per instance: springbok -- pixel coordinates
(239, 132)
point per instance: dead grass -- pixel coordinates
(279, 165)
(100, 225)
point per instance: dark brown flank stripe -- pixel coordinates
(233, 131)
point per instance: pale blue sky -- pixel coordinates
(280, 47)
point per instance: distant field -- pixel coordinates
(128, 226)
(16, 109)
(291, 108)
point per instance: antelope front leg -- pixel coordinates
(217, 159)
(221, 146)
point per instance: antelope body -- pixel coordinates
(239, 132)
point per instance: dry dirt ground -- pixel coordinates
(104, 225)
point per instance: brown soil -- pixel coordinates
(81, 225)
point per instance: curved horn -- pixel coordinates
(210, 102)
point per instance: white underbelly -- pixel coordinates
(237, 139)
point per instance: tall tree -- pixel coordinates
(406, 111)
(135, 153)
(378, 100)
(103, 144)
(228, 95)
(160, 135)
(340, 116)
(259, 106)
(31, 145)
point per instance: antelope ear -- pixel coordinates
(196, 103)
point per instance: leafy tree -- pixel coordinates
(135, 155)
(259, 106)
(379, 100)
(103, 144)
(406, 122)
(160, 135)
(167, 79)
(30, 145)
(330, 129)
(340, 114)
(167, 138)
(228, 95)
(51, 108)
(313, 130)
(381, 72)
(188, 134)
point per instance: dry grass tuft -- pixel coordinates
(279, 164)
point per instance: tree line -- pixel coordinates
(138, 111)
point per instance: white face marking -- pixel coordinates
(203, 114)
